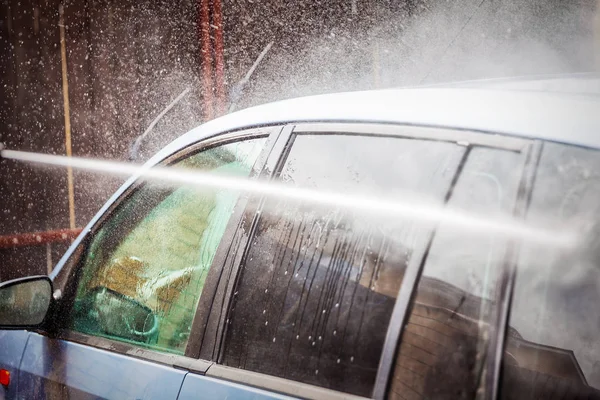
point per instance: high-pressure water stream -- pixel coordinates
(406, 207)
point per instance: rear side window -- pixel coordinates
(553, 344)
(144, 271)
(318, 285)
(444, 344)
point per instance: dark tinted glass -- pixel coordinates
(443, 346)
(318, 285)
(553, 348)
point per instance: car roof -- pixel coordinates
(549, 116)
(559, 117)
(584, 83)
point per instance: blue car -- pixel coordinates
(407, 244)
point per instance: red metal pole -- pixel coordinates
(206, 54)
(37, 238)
(219, 58)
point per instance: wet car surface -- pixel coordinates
(182, 291)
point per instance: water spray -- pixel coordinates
(238, 89)
(405, 207)
(135, 147)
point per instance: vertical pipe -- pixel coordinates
(65, 87)
(206, 55)
(219, 58)
(49, 258)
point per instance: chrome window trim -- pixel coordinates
(459, 136)
(276, 384)
(507, 284)
(126, 349)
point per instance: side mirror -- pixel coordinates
(24, 302)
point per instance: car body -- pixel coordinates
(184, 292)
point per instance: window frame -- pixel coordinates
(499, 321)
(69, 277)
(468, 138)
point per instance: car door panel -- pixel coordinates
(197, 387)
(12, 345)
(53, 368)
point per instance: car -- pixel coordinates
(403, 243)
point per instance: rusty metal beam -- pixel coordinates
(38, 238)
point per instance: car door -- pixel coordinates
(128, 295)
(311, 290)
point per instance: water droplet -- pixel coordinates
(264, 311)
(323, 311)
(334, 333)
(337, 305)
(297, 337)
(352, 359)
(235, 294)
(266, 322)
(285, 273)
(317, 372)
(338, 360)
(273, 340)
(313, 343)
(320, 337)
(266, 290)
(296, 275)
(309, 337)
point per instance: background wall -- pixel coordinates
(126, 60)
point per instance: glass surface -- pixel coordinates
(553, 348)
(25, 303)
(145, 268)
(444, 344)
(319, 283)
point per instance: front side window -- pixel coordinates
(318, 285)
(144, 270)
(553, 346)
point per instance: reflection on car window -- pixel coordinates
(553, 350)
(318, 285)
(442, 348)
(145, 268)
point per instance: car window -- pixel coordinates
(145, 268)
(318, 285)
(443, 346)
(552, 349)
